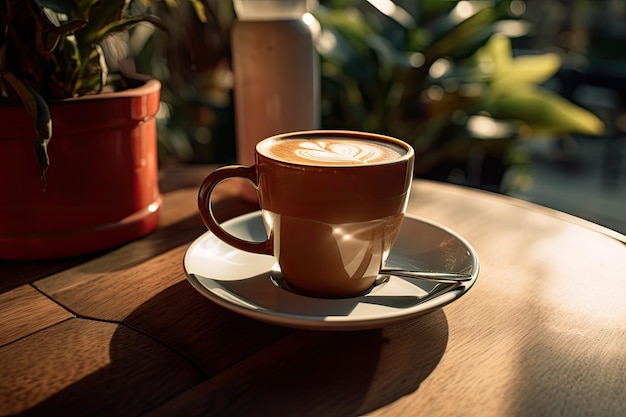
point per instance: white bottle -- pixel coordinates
(276, 73)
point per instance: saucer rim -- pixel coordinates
(317, 322)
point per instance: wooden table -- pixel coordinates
(122, 333)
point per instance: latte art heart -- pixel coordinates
(331, 151)
(339, 152)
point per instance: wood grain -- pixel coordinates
(25, 310)
(89, 368)
(16, 273)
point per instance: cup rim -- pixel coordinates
(410, 153)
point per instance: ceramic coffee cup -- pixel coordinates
(332, 203)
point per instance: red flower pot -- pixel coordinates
(102, 184)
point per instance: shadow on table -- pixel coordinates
(259, 369)
(344, 374)
(221, 363)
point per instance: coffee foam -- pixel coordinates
(333, 151)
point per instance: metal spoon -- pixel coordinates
(446, 281)
(427, 275)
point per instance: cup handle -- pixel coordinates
(206, 210)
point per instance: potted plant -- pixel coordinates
(91, 182)
(443, 75)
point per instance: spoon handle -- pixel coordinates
(428, 275)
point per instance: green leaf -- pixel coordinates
(58, 6)
(506, 69)
(533, 69)
(465, 32)
(498, 51)
(123, 24)
(395, 13)
(200, 10)
(93, 72)
(39, 113)
(543, 111)
(350, 22)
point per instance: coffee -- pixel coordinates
(331, 151)
(332, 203)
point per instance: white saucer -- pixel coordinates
(240, 281)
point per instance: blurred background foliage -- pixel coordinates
(445, 76)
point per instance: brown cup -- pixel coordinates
(331, 209)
